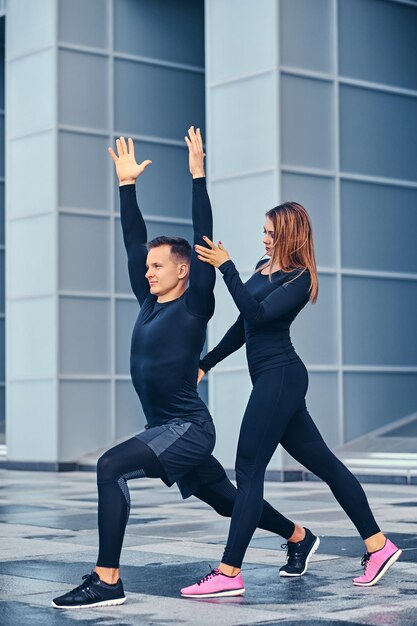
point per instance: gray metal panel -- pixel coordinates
(30, 26)
(240, 38)
(243, 117)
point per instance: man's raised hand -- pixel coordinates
(127, 169)
(195, 152)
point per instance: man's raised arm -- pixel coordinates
(133, 225)
(200, 297)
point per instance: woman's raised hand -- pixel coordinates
(195, 152)
(215, 255)
(127, 169)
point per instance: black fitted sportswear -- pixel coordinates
(166, 344)
(276, 411)
(168, 337)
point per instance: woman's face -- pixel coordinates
(268, 239)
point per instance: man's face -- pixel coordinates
(164, 272)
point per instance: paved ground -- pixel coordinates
(49, 540)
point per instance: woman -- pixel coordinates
(276, 413)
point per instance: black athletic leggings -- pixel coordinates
(277, 413)
(134, 459)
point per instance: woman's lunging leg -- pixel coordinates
(273, 401)
(305, 444)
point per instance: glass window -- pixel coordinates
(317, 195)
(84, 253)
(306, 34)
(379, 225)
(169, 31)
(84, 336)
(314, 331)
(126, 314)
(122, 276)
(307, 122)
(384, 41)
(129, 414)
(83, 22)
(379, 321)
(165, 189)
(375, 131)
(83, 89)
(85, 407)
(323, 405)
(168, 100)
(373, 400)
(2, 217)
(83, 171)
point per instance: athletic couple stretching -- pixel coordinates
(174, 287)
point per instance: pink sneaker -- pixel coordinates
(215, 585)
(375, 564)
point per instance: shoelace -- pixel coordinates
(87, 578)
(365, 560)
(290, 549)
(213, 572)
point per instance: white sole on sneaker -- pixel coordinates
(233, 592)
(312, 551)
(91, 606)
(382, 571)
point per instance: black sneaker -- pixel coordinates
(298, 554)
(92, 592)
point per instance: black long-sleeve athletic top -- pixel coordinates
(168, 337)
(267, 309)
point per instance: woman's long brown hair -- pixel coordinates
(293, 246)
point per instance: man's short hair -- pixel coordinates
(180, 248)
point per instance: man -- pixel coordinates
(175, 293)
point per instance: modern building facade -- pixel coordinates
(310, 100)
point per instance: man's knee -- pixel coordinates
(106, 468)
